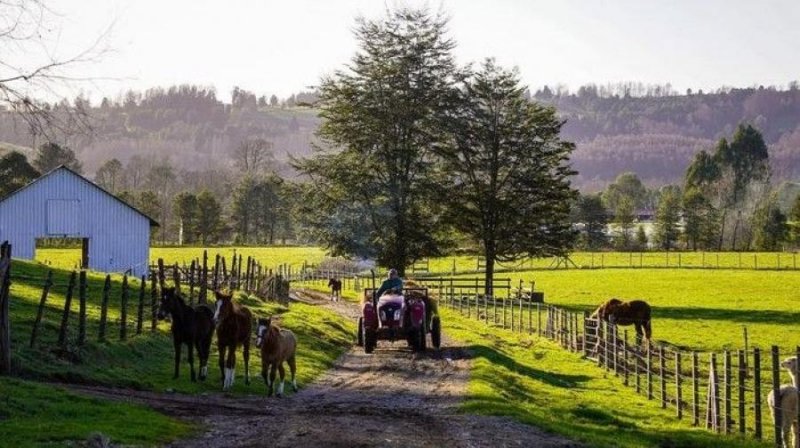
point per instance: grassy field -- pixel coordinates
(33, 414)
(143, 361)
(534, 381)
(696, 309)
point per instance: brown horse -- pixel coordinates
(277, 345)
(234, 323)
(336, 289)
(191, 326)
(635, 312)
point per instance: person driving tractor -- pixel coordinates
(392, 282)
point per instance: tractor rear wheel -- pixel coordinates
(370, 340)
(360, 336)
(436, 332)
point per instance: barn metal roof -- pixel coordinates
(153, 222)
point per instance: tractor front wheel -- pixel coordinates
(436, 332)
(360, 336)
(370, 340)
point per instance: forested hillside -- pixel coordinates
(649, 130)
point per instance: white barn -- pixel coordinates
(64, 204)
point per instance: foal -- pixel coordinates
(277, 345)
(234, 324)
(336, 289)
(191, 326)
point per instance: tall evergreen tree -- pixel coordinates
(594, 217)
(188, 213)
(209, 218)
(507, 178)
(381, 114)
(667, 217)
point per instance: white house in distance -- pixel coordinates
(63, 204)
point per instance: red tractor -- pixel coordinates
(395, 316)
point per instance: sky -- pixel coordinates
(282, 47)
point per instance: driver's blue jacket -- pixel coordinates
(389, 284)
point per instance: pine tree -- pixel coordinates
(507, 178)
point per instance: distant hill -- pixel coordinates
(655, 135)
(652, 132)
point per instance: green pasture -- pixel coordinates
(701, 310)
(145, 361)
(535, 381)
(33, 414)
(657, 259)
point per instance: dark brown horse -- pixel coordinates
(234, 323)
(635, 312)
(336, 288)
(191, 326)
(277, 345)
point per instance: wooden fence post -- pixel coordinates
(757, 392)
(712, 398)
(215, 284)
(776, 390)
(62, 332)
(48, 282)
(204, 279)
(176, 278)
(140, 311)
(649, 373)
(82, 308)
(5, 315)
(662, 376)
(727, 379)
(192, 273)
(123, 311)
(625, 356)
(742, 384)
(695, 389)
(161, 278)
(153, 303)
(101, 335)
(797, 417)
(239, 273)
(678, 390)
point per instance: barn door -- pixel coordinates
(85, 253)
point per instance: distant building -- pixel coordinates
(115, 236)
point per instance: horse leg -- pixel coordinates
(639, 332)
(222, 371)
(230, 366)
(177, 358)
(282, 371)
(272, 371)
(246, 354)
(190, 346)
(265, 375)
(293, 369)
(203, 347)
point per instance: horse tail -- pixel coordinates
(648, 330)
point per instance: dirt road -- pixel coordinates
(393, 397)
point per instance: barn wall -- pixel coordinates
(119, 237)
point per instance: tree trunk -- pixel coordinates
(489, 254)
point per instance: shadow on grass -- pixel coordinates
(500, 359)
(732, 315)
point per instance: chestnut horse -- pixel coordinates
(277, 345)
(191, 326)
(336, 288)
(234, 324)
(635, 312)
